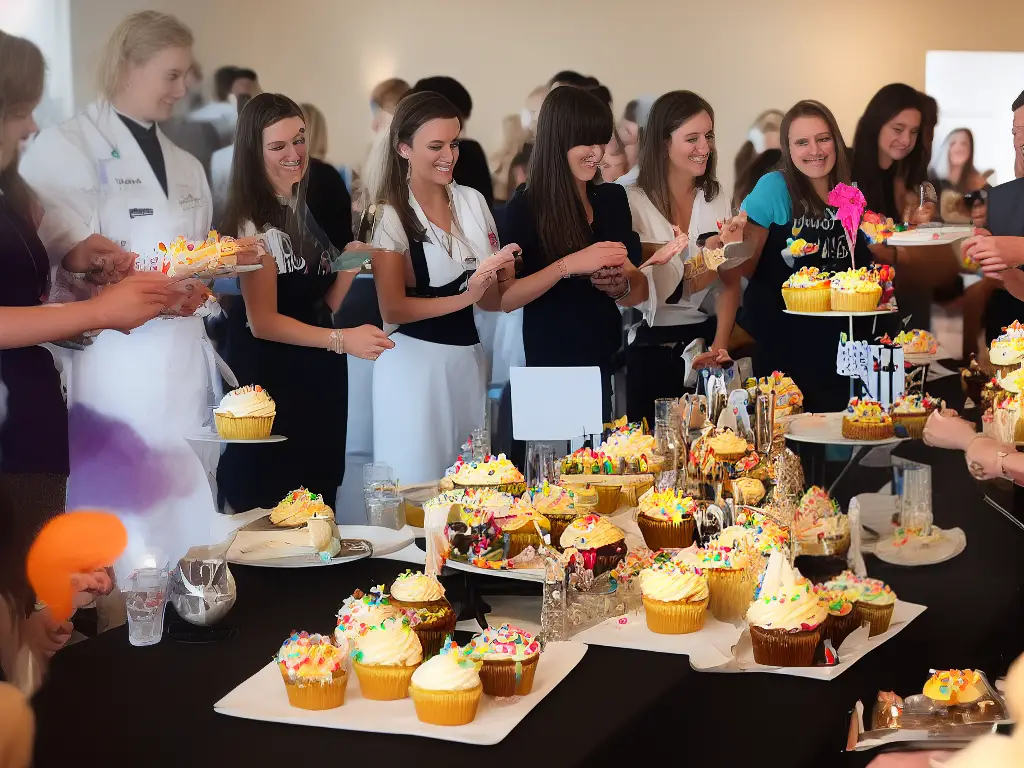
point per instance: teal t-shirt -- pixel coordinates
(769, 201)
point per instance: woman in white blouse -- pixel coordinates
(436, 239)
(677, 197)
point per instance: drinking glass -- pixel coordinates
(542, 463)
(378, 476)
(385, 509)
(915, 492)
(145, 600)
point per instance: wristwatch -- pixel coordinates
(1000, 455)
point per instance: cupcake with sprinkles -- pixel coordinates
(509, 657)
(951, 687)
(385, 657)
(665, 519)
(492, 472)
(600, 545)
(424, 595)
(874, 600)
(313, 670)
(786, 618)
(730, 580)
(842, 618)
(675, 598)
(360, 611)
(560, 505)
(446, 689)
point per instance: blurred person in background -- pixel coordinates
(471, 170)
(766, 162)
(222, 112)
(326, 194)
(762, 136)
(630, 130)
(243, 85)
(573, 78)
(953, 169)
(614, 164)
(520, 132)
(384, 100)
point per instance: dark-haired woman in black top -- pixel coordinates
(579, 251)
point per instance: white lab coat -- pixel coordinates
(161, 379)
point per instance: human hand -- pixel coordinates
(713, 358)
(944, 429)
(506, 257)
(88, 585)
(595, 257)
(732, 230)
(998, 254)
(250, 251)
(104, 261)
(367, 342)
(45, 635)
(909, 759)
(669, 250)
(359, 245)
(610, 280)
(479, 283)
(133, 301)
(186, 296)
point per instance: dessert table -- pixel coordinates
(615, 704)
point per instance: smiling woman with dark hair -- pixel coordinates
(282, 337)
(578, 245)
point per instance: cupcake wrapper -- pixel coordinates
(838, 628)
(913, 424)
(857, 430)
(432, 632)
(381, 683)
(316, 695)
(559, 522)
(674, 618)
(516, 488)
(837, 545)
(508, 677)
(806, 299)
(517, 542)
(608, 498)
(731, 593)
(661, 534)
(856, 302)
(878, 616)
(779, 648)
(246, 428)
(446, 707)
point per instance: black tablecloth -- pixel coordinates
(107, 703)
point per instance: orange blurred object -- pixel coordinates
(76, 542)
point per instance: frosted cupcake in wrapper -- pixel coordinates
(874, 600)
(246, 413)
(951, 687)
(523, 526)
(786, 618)
(493, 472)
(911, 412)
(425, 596)
(807, 290)
(509, 657)
(820, 527)
(559, 505)
(360, 611)
(842, 619)
(313, 671)
(675, 598)
(599, 544)
(385, 657)
(730, 580)
(665, 519)
(446, 689)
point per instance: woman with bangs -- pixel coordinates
(785, 206)
(578, 247)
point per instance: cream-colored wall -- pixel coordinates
(742, 55)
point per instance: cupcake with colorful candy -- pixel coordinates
(730, 579)
(820, 527)
(951, 687)
(786, 619)
(874, 601)
(917, 342)
(493, 472)
(842, 619)
(313, 670)
(807, 290)
(675, 598)
(559, 505)
(509, 657)
(1007, 350)
(855, 290)
(910, 412)
(446, 689)
(246, 413)
(384, 657)
(866, 419)
(425, 596)
(665, 519)
(360, 611)
(600, 545)
(877, 228)
(523, 526)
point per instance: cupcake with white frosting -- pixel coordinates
(246, 413)
(424, 595)
(446, 689)
(785, 618)
(385, 657)
(675, 598)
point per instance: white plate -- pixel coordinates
(826, 429)
(836, 313)
(946, 236)
(298, 561)
(385, 540)
(262, 697)
(521, 574)
(213, 437)
(923, 358)
(950, 544)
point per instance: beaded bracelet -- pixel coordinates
(336, 342)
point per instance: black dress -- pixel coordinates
(310, 388)
(573, 324)
(473, 171)
(330, 202)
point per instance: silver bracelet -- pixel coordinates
(336, 342)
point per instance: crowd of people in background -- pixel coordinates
(565, 246)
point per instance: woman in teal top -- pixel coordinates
(787, 205)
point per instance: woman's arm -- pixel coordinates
(259, 289)
(726, 304)
(754, 237)
(521, 291)
(396, 307)
(339, 289)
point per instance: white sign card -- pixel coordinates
(556, 403)
(880, 369)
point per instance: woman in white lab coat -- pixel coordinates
(436, 265)
(677, 198)
(135, 398)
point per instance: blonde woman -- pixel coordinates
(384, 100)
(134, 399)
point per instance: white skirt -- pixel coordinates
(147, 392)
(427, 399)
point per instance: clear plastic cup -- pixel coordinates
(385, 510)
(145, 597)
